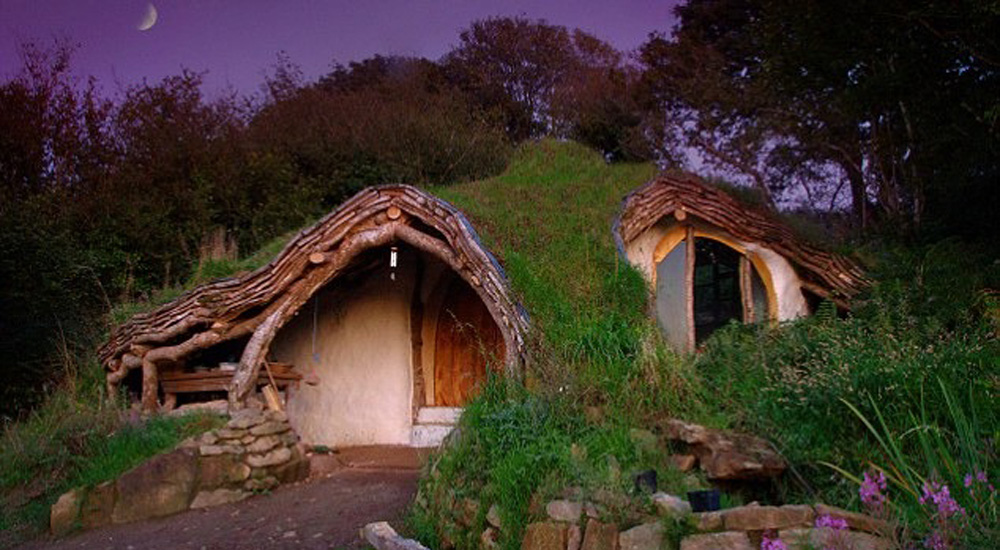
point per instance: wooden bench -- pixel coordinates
(175, 382)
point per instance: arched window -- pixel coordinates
(702, 284)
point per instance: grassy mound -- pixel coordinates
(908, 384)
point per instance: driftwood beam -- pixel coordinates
(259, 303)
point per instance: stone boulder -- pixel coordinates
(205, 499)
(66, 510)
(600, 536)
(671, 506)
(759, 518)
(648, 536)
(98, 506)
(731, 540)
(383, 537)
(545, 536)
(564, 510)
(726, 456)
(222, 471)
(161, 486)
(807, 539)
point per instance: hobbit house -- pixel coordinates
(710, 260)
(378, 324)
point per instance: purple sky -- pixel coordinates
(237, 41)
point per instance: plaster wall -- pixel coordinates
(787, 285)
(364, 347)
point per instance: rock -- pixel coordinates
(209, 438)
(191, 442)
(261, 484)
(644, 440)
(221, 470)
(600, 536)
(573, 537)
(564, 510)
(289, 534)
(277, 416)
(614, 500)
(488, 539)
(289, 438)
(269, 428)
(273, 458)
(671, 506)
(383, 537)
(98, 506)
(206, 499)
(648, 536)
(708, 521)
(230, 433)
(684, 463)
(727, 456)
(806, 539)
(592, 510)
(545, 536)
(493, 516)
(294, 470)
(856, 521)
(248, 439)
(264, 444)
(161, 486)
(245, 418)
(756, 518)
(730, 540)
(215, 450)
(66, 510)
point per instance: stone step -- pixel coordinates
(428, 435)
(445, 416)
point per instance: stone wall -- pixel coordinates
(255, 451)
(579, 526)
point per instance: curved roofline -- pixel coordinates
(827, 275)
(257, 304)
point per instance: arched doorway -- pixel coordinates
(467, 341)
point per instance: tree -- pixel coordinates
(896, 101)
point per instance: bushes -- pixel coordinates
(791, 383)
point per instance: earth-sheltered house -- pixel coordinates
(710, 259)
(379, 323)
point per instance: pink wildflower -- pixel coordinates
(935, 541)
(941, 497)
(826, 520)
(871, 491)
(772, 542)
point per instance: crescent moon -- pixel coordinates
(149, 19)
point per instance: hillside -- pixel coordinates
(837, 396)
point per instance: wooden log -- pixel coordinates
(150, 387)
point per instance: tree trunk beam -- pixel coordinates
(258, 304)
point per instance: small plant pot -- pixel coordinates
(704, 501)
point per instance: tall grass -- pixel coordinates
(75, 438)
(600, 367)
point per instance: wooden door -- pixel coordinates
(466, 340)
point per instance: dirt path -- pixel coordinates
(345, 492)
